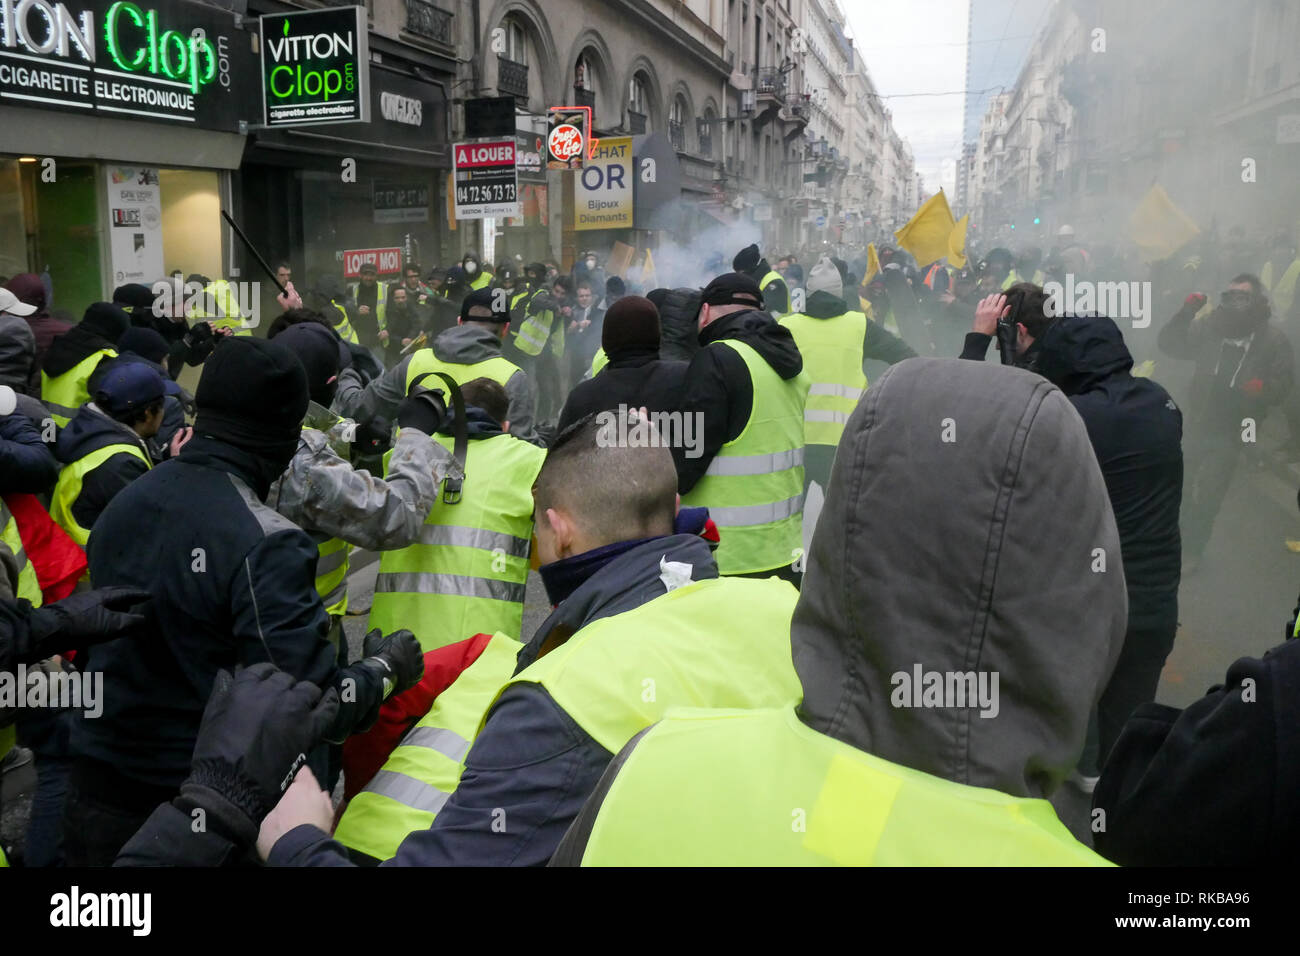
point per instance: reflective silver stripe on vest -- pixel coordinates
(411, 582)
(407, 790)
(444, 741)
(818, 415)
(338, 594)
(59, 409)
(839, 391)
(733, 465)
(326, 563)
(463, 537)
(540, 343)
(756, 514)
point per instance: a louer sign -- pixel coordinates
(315, 67)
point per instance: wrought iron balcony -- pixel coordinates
(512, 78)
(677, 135)
(706, 146)
(425, 20)
(770, 82)
(583, 97)
(636, 122)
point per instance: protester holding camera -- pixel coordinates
(1244, 367)
(1018, 318)
(233, 584)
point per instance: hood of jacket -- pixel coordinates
(17, 352)
(478, 424)
(29, 289)
(91, 429)
(763, 334)
(72, 347)
(625, 583)
(946, 547)
(1079, 352)
(824, 305)
(466, 344)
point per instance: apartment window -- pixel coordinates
(638, 104)
(516, 42)
(584, 83)
(677, 124)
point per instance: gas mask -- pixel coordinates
(1241, 312)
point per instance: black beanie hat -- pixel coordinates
(253, 395)
(144, 342)
(631, 324)
(107, 320)
(318, 350)
(746, 258)
(134, 295)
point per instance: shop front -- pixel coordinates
(122, 122)
(307, 195)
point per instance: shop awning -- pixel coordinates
(52, 133)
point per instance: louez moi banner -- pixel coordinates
(173, 62)
(315, 67)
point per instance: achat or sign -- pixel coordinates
(316, 68)
(174, 62)
(487, 182)
(602, 196)
(386, 261)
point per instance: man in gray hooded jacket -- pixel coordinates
(946, 552)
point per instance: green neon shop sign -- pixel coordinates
(134, 43)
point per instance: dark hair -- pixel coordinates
(410, 267)
(615, 491)
(584, 284)
(564, 282)
(293, 317)
(1028, 304)
(134, 416)
(488, 395)
(1256, 285)
(282, 264)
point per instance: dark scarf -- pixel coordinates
(561, 578)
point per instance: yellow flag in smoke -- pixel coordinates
(1158, 227)
(957, 244)
(926, 234)
(873, 262)
(648, 278)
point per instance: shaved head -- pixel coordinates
(610, 491)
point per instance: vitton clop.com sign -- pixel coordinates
(315, 67)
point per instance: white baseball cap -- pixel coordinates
(9, 303)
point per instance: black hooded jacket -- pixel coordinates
(718, 386)
(679, 313)
(89, 431)
(633, 377)
(1136, 432)
(776, 295)
(84, 339)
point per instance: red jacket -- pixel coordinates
(365, 754)
(58, 561)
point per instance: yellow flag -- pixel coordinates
(926, 235)
(1158, 227)
(957, 244)
(648, 277)
(873, 262)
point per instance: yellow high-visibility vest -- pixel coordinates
(64, 394)
(759, 788)
(71, 477)
(832, 358)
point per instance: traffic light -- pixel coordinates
(1013, 225)
(1037, 221)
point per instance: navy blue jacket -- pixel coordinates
(26, 464)
(1136, 431)
(89, 431)
(233, 584)
(531, 769)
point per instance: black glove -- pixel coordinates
(199, 342)
(80, 620)
(400, 657)
(372, 437)
(256, 731)
(423, 408)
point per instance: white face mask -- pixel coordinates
(591, 263)
(471, 266)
